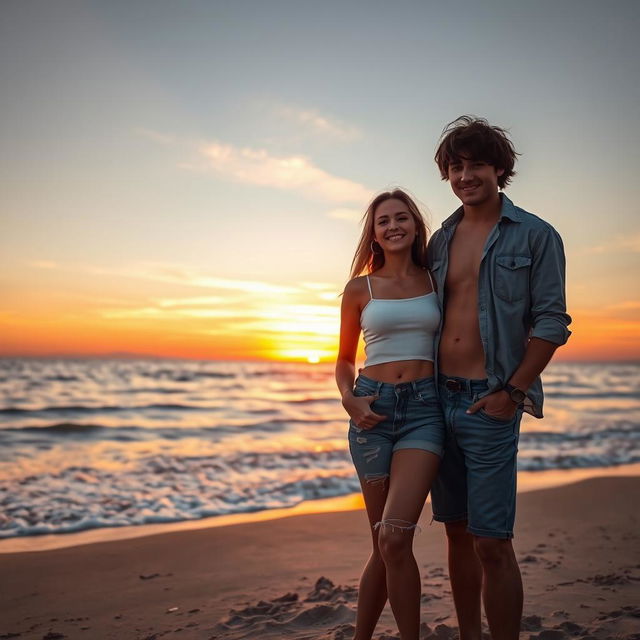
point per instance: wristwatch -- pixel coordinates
(517, 395)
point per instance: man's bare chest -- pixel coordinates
(465, 256)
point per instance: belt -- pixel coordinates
(457, 385)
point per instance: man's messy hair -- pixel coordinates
(473, 138)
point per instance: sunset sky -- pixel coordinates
(186, 179)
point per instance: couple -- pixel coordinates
(485, 301)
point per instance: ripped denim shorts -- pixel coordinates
(413, 421)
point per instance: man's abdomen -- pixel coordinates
(461, 352)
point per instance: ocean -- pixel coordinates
(87, 444)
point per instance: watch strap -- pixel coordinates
(516, 395)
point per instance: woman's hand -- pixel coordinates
(359, 410)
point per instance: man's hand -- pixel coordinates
(359, 410)
(498, 405)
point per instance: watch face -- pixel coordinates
(517, 395)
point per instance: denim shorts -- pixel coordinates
(477, 477)
(413, 421)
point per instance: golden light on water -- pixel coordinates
(305, 355)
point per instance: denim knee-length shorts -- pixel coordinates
(413, 421)
(477, 478)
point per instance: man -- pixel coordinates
(500, 275)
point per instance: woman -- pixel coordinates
(396, 430)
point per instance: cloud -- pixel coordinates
(156, 136)
(319, 286)
(343, 213)
(291, 173)
(259, 316)
(43, 264)
(629, 243)
(263, 168)
(625, 306)
(167, 314)
(317, 124)
(302, 305)
(191, 302)
(188, 276)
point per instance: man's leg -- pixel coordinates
(465, 574)
(501, 587)
(449, 504)
(490, 446)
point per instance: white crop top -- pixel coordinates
(399, 329)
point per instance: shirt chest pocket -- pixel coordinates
(512, 277)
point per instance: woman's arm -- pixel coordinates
(349, 334)
(358, 408)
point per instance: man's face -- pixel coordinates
(474, 181)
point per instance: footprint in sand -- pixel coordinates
(324, 606)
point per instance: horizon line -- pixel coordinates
(125, 355)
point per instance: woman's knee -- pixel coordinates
(395, 539)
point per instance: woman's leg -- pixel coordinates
(412, 473)
(372, 593)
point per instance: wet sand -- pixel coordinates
(578, 547)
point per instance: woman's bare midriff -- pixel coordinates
(401, 371)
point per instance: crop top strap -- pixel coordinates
(433, 286)
(369, 285)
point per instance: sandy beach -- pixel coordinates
(296, 577)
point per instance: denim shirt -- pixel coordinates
(521, 291)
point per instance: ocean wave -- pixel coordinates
(133, 432)
(160, 390)
(62, 378)
(596, 395)
(185, 376)
(10, 411)
(626, 431)
(569, 461)
(170, 489)
(206, 438)
(61, 428)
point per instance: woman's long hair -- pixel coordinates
(366, 260)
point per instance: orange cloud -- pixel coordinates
(156, 309)
(602, 335)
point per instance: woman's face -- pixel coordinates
(394, 226)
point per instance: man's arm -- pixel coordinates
(536, 357)
(549, 321)
(549, 318)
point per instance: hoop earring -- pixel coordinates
(374, 242)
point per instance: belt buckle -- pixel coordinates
(453, 385)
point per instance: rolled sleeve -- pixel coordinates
(549, 318)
